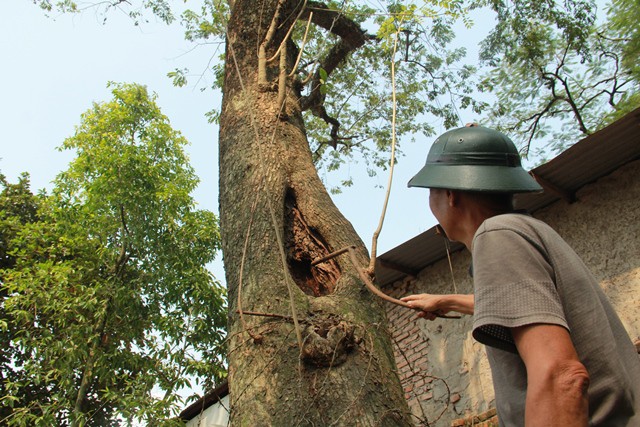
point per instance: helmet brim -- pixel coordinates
(494, 179)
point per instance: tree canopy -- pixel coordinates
(559, 71)
(108, 310)
(547, 72)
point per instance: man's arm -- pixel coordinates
(427, 304)
(557, 380)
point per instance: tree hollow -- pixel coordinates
(304, 244)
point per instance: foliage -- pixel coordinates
(556, 70)
(108, 308)
(558, 74)
(432, 81)
(432, 86)
(624, 16)
(159, 8)
(18, 207)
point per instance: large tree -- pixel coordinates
(332, 363)
(327, 359)
(107, 309)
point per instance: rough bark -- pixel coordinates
(345, 372)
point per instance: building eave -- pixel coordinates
(210, 398)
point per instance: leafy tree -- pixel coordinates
(557, 73)
(18, 207)
(342, 71)
(107, 303)
(623, 30)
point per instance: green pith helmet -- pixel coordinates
(474, 158)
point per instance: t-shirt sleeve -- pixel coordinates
(513, 285)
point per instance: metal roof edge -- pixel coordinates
(210, 398)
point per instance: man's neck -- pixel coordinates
(475, 218)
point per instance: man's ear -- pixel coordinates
(453, 198)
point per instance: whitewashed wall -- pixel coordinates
(215, 415)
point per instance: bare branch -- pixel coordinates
(304, 40)
(351, 36)
(262, 50)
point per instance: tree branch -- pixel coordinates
(262, 50)
(351, 36)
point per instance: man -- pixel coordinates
(558, 353)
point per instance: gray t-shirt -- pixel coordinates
(525, 273)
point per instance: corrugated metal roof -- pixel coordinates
(586, 161)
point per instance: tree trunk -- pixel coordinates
(345, 373)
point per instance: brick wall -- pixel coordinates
(486, 419)
(444, 373)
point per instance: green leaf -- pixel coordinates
(323, 75)
(178, 76)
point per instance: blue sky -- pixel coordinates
(55, 67)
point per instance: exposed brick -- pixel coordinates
(426, 396)
(413, 338)
(402, 336)
(422, 346)
(485, 419)
(491, 413)
(413, 357)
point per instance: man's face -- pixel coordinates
(439, 205)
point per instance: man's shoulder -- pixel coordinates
(518, 222)
(530, 229)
